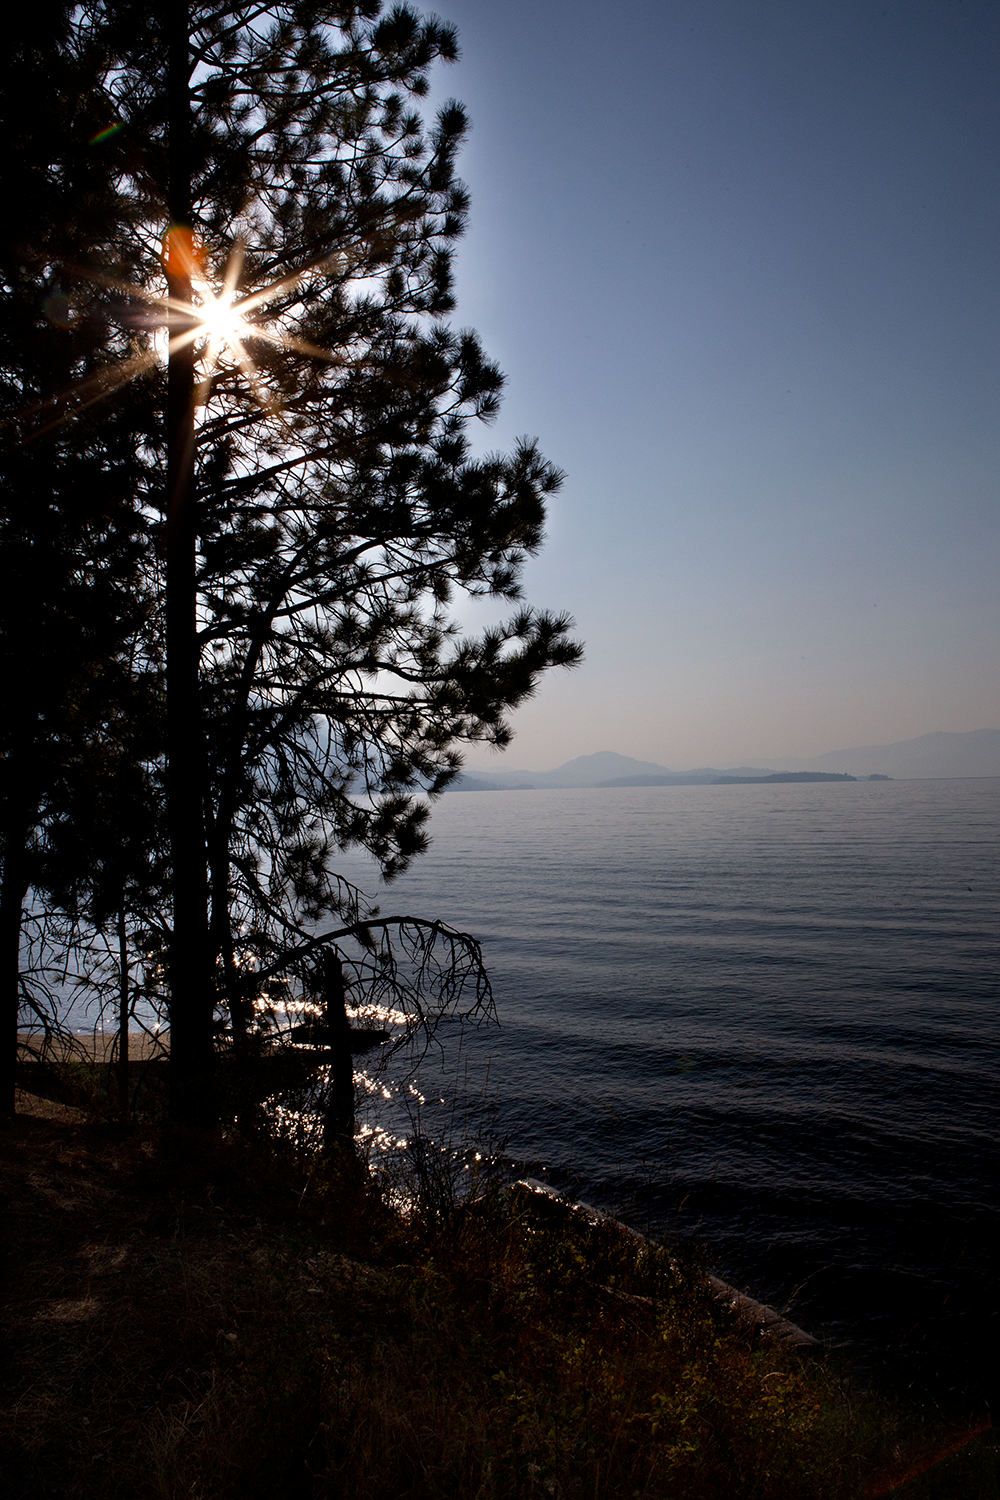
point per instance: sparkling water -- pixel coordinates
(760, 1017)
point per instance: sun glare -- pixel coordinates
(220, 317)
(223, 322)
(215, 319)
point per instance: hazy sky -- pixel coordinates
(738, 259)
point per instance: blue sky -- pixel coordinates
(738, 259)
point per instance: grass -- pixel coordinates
(277, 1329)
(514, 1349)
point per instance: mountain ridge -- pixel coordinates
(942, 753)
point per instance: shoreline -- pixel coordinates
(770, 1323)
(98, 1048)
(94, 1046)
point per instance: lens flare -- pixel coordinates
(223, 322)
(216, 320)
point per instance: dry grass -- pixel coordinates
(204, 1322)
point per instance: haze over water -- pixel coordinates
(772, 1008)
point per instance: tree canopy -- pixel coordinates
(272, 160)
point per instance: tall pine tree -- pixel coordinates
(77, 665)
(320, 506)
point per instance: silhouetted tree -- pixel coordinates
(322, 503)
(75, 559)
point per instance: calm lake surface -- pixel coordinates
(761, 1018)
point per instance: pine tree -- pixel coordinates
(322, 505)
(75, 543)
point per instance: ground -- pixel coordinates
(183, 1320)
(113, 1265)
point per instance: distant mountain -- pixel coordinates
(605, 768)
(585, 770)
(591, 770)
(976, 753)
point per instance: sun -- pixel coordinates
(224, 323)
(220, 314)
(220, 317)
(216, 318)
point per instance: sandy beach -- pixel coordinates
(94, 1046)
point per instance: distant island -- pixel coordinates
(680, 778)
(788, 776)
(473, 784)
(585, 772)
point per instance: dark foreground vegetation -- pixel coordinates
(243, 1319)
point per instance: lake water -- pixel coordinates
(763, 1018)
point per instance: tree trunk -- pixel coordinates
(123, 1009)
(18, 813)
(338, 1115)
(192, 1095)
(220, 933)
(13, 888)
